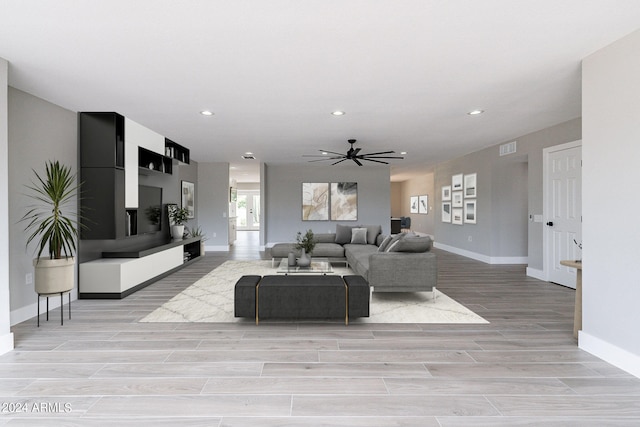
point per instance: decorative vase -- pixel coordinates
(304, 260)
(292, 259)
(177, 231)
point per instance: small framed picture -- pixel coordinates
(470, 185)
(446, 211)
(470, 211)
(414, 204)
(423, 204)
(456, 216)
(446, 193)
(189, 198)
(456, 197)
(456, 182)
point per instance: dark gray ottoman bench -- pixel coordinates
(301, 297)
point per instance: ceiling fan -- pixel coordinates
(352, 154)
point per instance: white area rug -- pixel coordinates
(210, 299)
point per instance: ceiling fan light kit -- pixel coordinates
(353, 154)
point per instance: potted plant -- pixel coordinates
(177, 216)
(52, 222)
(306, 244)
(197, 232)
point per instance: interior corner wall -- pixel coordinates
(6, 337)
(498, 213)
(284, 198)
(610, 153)
(396, 199)
(212, 190)
(39, 131)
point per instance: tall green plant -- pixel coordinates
(51, 220)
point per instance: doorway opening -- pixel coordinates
(248, 210)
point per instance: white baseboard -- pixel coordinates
(6, 343)
(610, 353)
(30, 311)
(536, 274)
(480, 257)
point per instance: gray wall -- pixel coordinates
(610, 153)
(212, 192)
(283, 193)
(509, 190)
(38, 131)
(6, 337)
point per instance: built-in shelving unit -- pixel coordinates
(176, 151)
(150, 162)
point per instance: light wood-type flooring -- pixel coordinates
(103, 368)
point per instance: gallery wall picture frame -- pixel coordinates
(343, 201)
(315, 201)
(470, 211)
(189, 198)
(456, 199)
(446, 212)
(456, 216)
(456, 182)
(414, 204)
(446, 193)
(423, 204)
(470, 185)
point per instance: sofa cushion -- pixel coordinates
(324, 237)
(358, 236)
(415, 244)
(372, 233)
(343, 234)
(394, 241)
(328, 250)
(383, 245)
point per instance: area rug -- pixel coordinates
(210, 299)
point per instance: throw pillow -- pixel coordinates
(384, 243)
(413, 244)
(359, 236)
(343, 234)
(394, 241)
(372, 233)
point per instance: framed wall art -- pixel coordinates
(456, 216)
(446, 212)
(456, 182)
(470, 211)
(414, 204)
(423, 204)
(344, 201)
(456, 199)
(470, 185)
(446, 193)
(315, 201)
(189, 198)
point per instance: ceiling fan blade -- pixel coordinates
(356, 151)
(321, 155)
(331, 152)
(339, 161)
(377, 161)
(366, 156)
(323, 160)
(357, 161)
(381, 152)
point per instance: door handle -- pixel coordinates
(550, 223)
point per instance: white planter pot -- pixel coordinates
(53, 276)
(202, 249)
(177, 231)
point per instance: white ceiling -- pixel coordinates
(406, 72)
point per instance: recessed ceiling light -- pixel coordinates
(206, 113)
(475, 112)
(324, 153)
(403, 152)
(338, 113)
(248, 153)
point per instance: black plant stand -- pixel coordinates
(61, 306)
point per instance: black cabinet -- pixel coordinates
(149, 161)
(102, 203)
(101, 140)
(176, 151)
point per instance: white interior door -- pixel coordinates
(248, 210)
(563, 211)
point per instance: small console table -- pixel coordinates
(577, 310)
(120, 273)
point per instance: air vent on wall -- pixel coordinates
(508, 148)
(248, 157)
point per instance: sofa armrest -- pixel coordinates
(403, 271)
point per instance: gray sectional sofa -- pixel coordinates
(397, 263)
